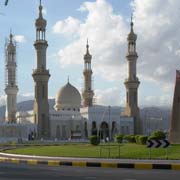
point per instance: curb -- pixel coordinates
(139, 166)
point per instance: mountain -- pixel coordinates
(144, 112)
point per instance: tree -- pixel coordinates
(158, 135)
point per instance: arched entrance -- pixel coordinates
(94, 128)
(104, 131)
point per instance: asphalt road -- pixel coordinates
(38, 172)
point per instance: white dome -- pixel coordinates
(68, 98)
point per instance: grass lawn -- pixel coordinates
(86, 150)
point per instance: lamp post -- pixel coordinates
(109, 108)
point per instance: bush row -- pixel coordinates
(139, 139)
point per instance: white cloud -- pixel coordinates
(110, 96)
(156, 23)
(20, 98)
(106, 32)
(68, 26)
(44, 11)
(2, 100)
(20, 38)
(25, 96)
(159, 101)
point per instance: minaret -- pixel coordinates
(132, 82)
(41, 76)
(11, 88)
(88, 93)
(175, 117)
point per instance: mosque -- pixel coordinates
(74, 116)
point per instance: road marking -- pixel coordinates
(91, 178)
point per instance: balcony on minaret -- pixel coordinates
(40, 71)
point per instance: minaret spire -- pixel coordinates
(132, 24)
(88, 93)
(10, 36)
(11, 88)
(41, 76)
(87, 47)
(132, 82)
(40, 9)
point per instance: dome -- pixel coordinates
(68, 98)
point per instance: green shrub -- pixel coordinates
(159, 135)
(142, 139)
(137, 139)
(94, 140)
(129, 138)
(119, 138)
(152, 138)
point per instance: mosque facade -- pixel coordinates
(74, 115)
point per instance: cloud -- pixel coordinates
(110, 96)
(68, 26)
(156, 23)
(106, 32)
(20, 98)
(25, 96)
(2, 100)
(44, 11)
(20, 38)
(159, 101)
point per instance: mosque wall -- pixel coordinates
(16, 131)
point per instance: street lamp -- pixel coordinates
(109, 108)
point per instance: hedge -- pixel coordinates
(94, 140)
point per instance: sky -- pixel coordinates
(106, 24)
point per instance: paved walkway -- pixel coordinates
(91, 162)
(69, 159)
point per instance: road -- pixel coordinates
(38, 172)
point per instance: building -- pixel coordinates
(88, 93)
(153, 119)
(66, 121)
(132, 82)
(74, 117)
(11, 88)
(41, 76)
(106, 121)
(175, 116)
